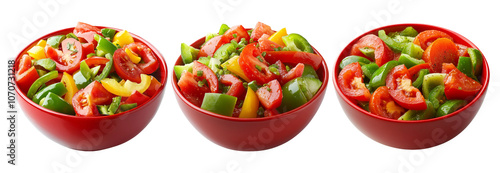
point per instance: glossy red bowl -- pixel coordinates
(251, 134)
(411, 134)
(93, 133)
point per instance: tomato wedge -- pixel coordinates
(462, 50)
(425, 38)
(442, 50)
(87, 48)
(267, 45)
(69, 60)
(190, 89)
(86, 100)
(240, 32)
(207, 74)
(253, 68)
(26, 74)
(86, 32)
(270, 96)
(402, 91)
(212, 45)
(153, 87)
(294, 58)
(383, 105)
(458, 85)
(237, 88)
(292, 74)
(259, 30)
(125, 68)
(137, 97)
(351, 82)
(413, 71)
(150, 61)
(383, 53)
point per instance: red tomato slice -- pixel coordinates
(270, 112)
(137, 97)
(87, 48)
(86, 100)
(236, 89)
(267, 45)
(26, 74)
(96, 60)
(69, 60)
(425, 38)
(208, 75)
(86, 32)
(459, 86)
(259, 30)
(294, 57)
(462, 50)
(402, 91)
(212, 45)
(383, 105)
(190, 89)
(441, 51)
(153, 87)
(125, 68)
(413, 71)
(351, 82)
(383, 53)
(292, 74)
(270, 96)
(253, 68)
(240, 32)
(150, 61)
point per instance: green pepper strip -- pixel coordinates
(293, 96)
(113, 107)
(39, 82)
(104, 45)
(369, 70)
(409, 32)
(103, 109)
(55, 41)
(108, 32)
(219, 103)
(352, 59)
(436, 96)
(85, 70)
(80, 80)
(378, 78)
(394, 45)
(420, 79)
(223, 53)
(188, 53)
(254, 85)
(450, 106)
(367, 51)
(126, 107)
(420, 115)
(54, 102)
(223, 29)
(477, 60)
(415, 51)
(296, 42)
(465, 66)
(309, 72)
(71, 35)
(46, 63)
(107, 69)
(57, 88)
(408, 61)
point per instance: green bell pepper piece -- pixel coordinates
(369, 70)
(115, 104)
(309, 72)
(390, 42)
(107, 69)
(293, 97)
(367, 51)
(41, 72)
(57, 88)
(39, 82)
(408, 61)
(420, 79)
(223, 53)
(219, 103)
(55, 41)
(223, 29)
(436, 96)
(450, 106)
(71, 35)
(108, 32)
(310, 86)
(210, 36)
(46, 63)
(430, 81)
(126, 107)
(352, 59)
(415, 51)
(178, 69)
(204, 60)
(364, 105)
(419, 115)
(409, 32)
(54, 102)
(465, 66)
(85, 70)
(94, 71)
(188, 53)
(103, 109)
(104, 45)
(477, 60)
(296, 42)
(254, 85)
(378, 78)
(80, 80)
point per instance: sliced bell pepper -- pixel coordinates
(107, 69)
(368, 52)
(420, 79)
(223, 28)
(103, 109)
(250, 105)
(369, 70)
(108, 32)
(72, 35)
(115, 104)
(223, 53)
(47, 64)
(104, 46)
(436, 96)
(430, 81)
(277, 37)
(55, 41)
(128, 87)
(133, 56)
(465, 66)
(293, 97)
(409, 31)
(310, 72)
(449, 107)
(70, 85)
(80, 80)
(179, 69)
(54, 102)
(396, 43)
(219, 103)
(477, 60)
(415, 51)
(352, 59)
(122, 38)
(39, 82)
(420, 115)
(234, 67)
(253, 85)
(126, 107)
(57, 88)
(188, 53)
(408, 61)
(85, 70)
(37, 52)
(41, 43)
(296, 42)
(378, 78)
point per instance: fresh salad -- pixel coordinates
(410, 75)
(88, 72)
(249, 73)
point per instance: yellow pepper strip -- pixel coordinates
(234, 67)
(41, 43)
(122, 38)
(128, 87)
(250, 105)
(122, 82)
(70, 85)
(37, 52)
(133, 57)
(276, 37)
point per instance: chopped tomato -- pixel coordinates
(253, 67)
(125, 68)
(413, 71)
(86, 32)
(270, 112)
(212, 45)
(95, 61)
(259, 30)
(236, 85)
(190, 89)
(150, 61)
(267, 45)
(425, 38)
(462, 50)
(383, 53)
(402, 91)
(270, 96)
(26, 74)
(87, 48)
(458, 85)
(207, 74)
(137, 97)
(292, 74)
(239, 31)
(351, 82)
(86, 100)
(294, 57)
(441, 51)
(383, 105)
(69, 60)
(153, 87)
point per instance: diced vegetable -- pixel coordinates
(219, 103)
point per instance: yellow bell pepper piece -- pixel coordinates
(128, 87)
(233, 66)
(37, 52)
(276, 37)
(122, 38)
(41, 43)
(122, 82)
(70, 85)
(250, 105)
(133, 57)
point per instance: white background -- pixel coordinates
(330, 143)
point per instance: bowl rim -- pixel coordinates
(163, 69)
(177, 91)
(485, 84)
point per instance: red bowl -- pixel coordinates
(411, 134)
(251, 134)
(93, 133)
